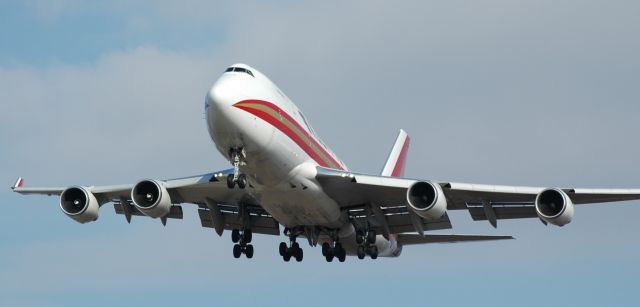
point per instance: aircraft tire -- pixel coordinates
(235, 236)
(361, 252)
(230, 182)
(242, 181)
(299, 255)
(237, 251)
(282, 249)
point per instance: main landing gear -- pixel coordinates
(337, 251)
(237, 156)
(242, 239)
(366, 244)
(292, 250)
(334, 250)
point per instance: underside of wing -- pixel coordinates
(218, 206)
(492, 203)
(377, 201)
(484, 202)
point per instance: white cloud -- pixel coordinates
(128, 107)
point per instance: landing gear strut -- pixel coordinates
(292, 250)
(242, 239)
(237, 156)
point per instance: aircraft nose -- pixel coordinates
(219, 97)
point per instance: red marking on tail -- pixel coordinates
(399, 167)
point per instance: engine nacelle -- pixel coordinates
(151, 198)
(554, 206)
(79, 204)
(427, 200)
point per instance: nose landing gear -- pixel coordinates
(237, 156)
(241, 181)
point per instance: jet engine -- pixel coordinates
(554, 206)
(151, 198)
(79, 204)
(427, 200)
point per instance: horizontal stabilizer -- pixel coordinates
(412, 239)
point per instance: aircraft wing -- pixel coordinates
(218, 206)
(484, 202)
(509, 202)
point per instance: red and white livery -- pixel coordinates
(285, 180)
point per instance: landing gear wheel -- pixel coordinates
(230, 182)
(235, 236)
(242, 181)
(361, 252)
(247, 236)
(237, 251)
(248, 251)
(359, 238)
(371, 237)
(299, 254)
(282, 248)
(374, 252)
(330, 254)
(337, 249)
(329, 257)
(339, 252)
(342, 258)
(325, 248)
(287, 256)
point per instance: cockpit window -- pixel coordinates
(240, 69)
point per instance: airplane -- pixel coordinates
(283, 174)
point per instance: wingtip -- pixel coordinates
(18, 183)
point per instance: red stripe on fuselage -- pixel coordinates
(276, 122)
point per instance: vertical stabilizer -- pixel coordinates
(397, 157)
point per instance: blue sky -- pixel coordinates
(534, 93)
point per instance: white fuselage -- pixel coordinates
(281, 153)
(250, 112)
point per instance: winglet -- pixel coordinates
(18, 184)
(397, 157)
